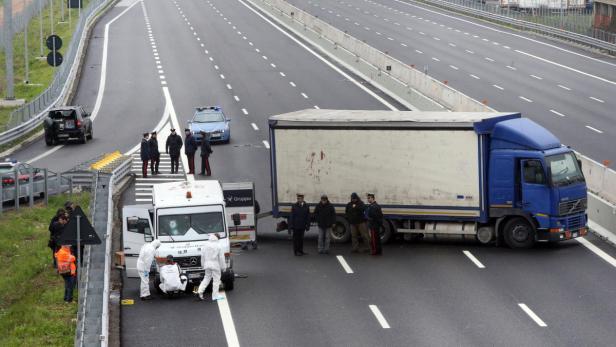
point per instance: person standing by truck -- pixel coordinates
(325, 216)
(145, 154)
(354, 214)
(146, 257)
(375, 220)
(206, 150)
(189, 150)
(213, 260)
(299, 222)
(154, 154)
(172, 147)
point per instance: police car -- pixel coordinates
(8, 168)
(212, 120)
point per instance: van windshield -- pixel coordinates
(191, 226)
(564, 169)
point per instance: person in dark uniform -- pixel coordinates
(189, 150)
(154, 154)
(172, 147)
(299, 222)
(354, 213)
(55, 230)
(145, 155)
(206, 150)
(375, 221)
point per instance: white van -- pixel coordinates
(182, 217)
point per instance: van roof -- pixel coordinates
(388, 119)
(173, 194)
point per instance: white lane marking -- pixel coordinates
(273, 65)
(498, 87)
(162, 77)
(422, 33)
(453, 67)
(598, 251)
(403, 45)
(564, 87)
(211, 59)
(476, 261)
(265, 57)
(335, 68)
(101, 84)
(418, 51)
(163, 83)
(469, 51)
(216, 67)
(244, 111)
(304, 95)
(266, 144)
(489, 59)
(390, 39)
(257, 50)
(317, 107)
(475, 77)
(525, 99)
(532, 315)
(598, 100)
(536, 77)
(227, 320)
(507, 47)
(292, 84)
(485, 40)
(452, 44)
(378, 33)
(436, 38)
(250, 43)
(557, 113)
(344, 264)
(237, 98)
(567, 67)
(207, 52)
(282, 74)
(254, 126)
(435, 59)
(222, 76)
(229, 86)
(511, 68)
(594, 129)
(367, 28)
(379, 316)
(409, 28)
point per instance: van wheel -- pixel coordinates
(518, 233)
(386, 231)
(341, 232)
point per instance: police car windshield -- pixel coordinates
(194, 227)
(5, 168)
(209, 117)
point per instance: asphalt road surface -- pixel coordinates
(188, 53)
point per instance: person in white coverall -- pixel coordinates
(213, 261)
(171, 278)
(146, 257)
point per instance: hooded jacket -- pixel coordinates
(146, 255)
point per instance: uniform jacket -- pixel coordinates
(300, 217)
(325, 215)
(355, 214)
(174, 145)
(191, 145)
(154, 153)
(145, 150)
(206, 148)
(64, 255)
(375, 215)
(55, 231)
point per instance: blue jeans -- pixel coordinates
(69, 285)
(323, 242)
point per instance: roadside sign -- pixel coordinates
(87, 233)
(54, 59)
(54, 42)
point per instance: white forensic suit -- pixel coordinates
(213, 260)
(171, 278)
(146, 257)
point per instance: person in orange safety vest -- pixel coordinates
(67, 269)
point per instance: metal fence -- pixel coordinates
(29, 116)
(21, 18)
(572, 16)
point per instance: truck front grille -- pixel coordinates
(185, 262)
(574, 223)
(571, 207)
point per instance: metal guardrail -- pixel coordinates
(524, 25)
(29, 116)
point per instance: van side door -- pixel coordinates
(136, 231)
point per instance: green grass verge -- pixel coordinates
(40, 73)
(32, 312)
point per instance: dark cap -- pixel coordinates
(153, 133)
(354, 196)
(169, 257)
(172, 130)
(145, 134)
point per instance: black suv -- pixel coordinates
(67, 122)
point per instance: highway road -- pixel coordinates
(568, 90)
(166, 57)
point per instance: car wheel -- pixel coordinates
(91, 135)
(48, 139)
(84, 137)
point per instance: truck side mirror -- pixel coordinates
(148, 238)
(236, 219)
(579, 161)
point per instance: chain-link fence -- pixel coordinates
(571, 15)
(28, 113)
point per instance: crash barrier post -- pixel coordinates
(601, 180)
(30, 115)
(93, 311)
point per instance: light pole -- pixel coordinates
(8, 48)
(26, 62)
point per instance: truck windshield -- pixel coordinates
(564, 169)
(194, 227)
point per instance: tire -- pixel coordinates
(91, 134)
(84, 137)
(518, 233)
(48, 139)
(341, 232)
(386, 232)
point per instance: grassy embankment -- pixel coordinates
(32, 312)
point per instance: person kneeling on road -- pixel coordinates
(146, 257)
(213, 261)
(171, 277)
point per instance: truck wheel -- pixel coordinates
(341, 232)
(386, 231)
(519, 233)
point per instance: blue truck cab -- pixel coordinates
(536, 188)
